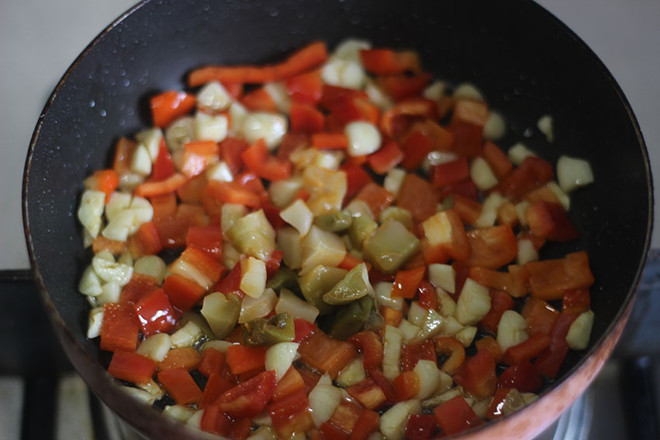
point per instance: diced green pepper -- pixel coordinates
(315, 283)
(253, 235)
(390, 246)
(361, 228)
(353, 286)
(401, 215)
(351, 318)
(260, 331)
(334, 222)
(285, 277)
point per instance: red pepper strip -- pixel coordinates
(180, 385)
(368, 422)
(167, 106)
(131, 367)
(307, 58)
(161, 188)
(455, 415)
(250, 397)
(371, 347)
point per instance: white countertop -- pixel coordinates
(40, 39)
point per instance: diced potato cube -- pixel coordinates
(280, 356)
(253, 281)
(269, 126)
(155, 346)
(512, 330)
(299, 216)
(92, 204)
(573, 173)
(580, 331)
(363, 138)
(211, 127)
(482, 175)
(393, 421)
(213, 96)
(473, 303)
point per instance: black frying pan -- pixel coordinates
(527, 62)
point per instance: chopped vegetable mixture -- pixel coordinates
(333, 247)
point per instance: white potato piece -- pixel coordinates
(573, 173)
(363, 138)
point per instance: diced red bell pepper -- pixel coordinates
(197, 156)
(306, 88)
(412, 353)
(550, 221)
(303, 329)
(368, 393)
(467, 208)
(105, 181)
(499, 303)
(549, 279)
(291, 414)
(453, 349)
(305, 118)
(233, 192)
(250, 397)
(290, 383)
(214, 420)
(242, 358)
(164, 207)
(182, 292)
(207, 239)
(180, 386)
(155, 313)
(416, 147)
(368, 422)
(329, 141)
(417, 196)
(147, 239)
(211, 362)
(467, 123)
(495, 409)
(371, 347)
(551, 360)
(377, 375)
(496, 159)
(490, 344)
(328, 431)
(389, 62)
(406, 385)
(356, 179)
(477, 374)
(376, 197)
(346, 415)
(540, 316)
(420, 427)
(263, 164)
(131, 367)
(232, 282)
(187, 358)
(170, 105)
(521, 376)
(160, 188)
(207, 265)
(427, 296)
(527, 350)
(120, 328)
(532, 173)
(492, 247)
(406, 282)
(259, 100)
(576, 301)
(231, 149)
(383, 160)
(326, 354)
(401, 87)
(514, 282)
(455, 415)
(449, 173)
